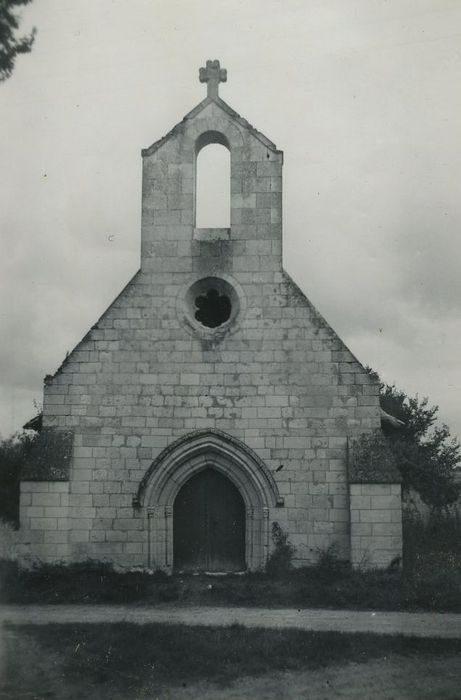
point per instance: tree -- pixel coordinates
(13, 452)
(10, 45)
(425, 452)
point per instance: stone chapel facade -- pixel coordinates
(211, 399)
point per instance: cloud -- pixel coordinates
(359, 95)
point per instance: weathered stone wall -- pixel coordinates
(45, 522)
(278, 378)
(376, 524)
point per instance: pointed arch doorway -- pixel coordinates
(209, 525)
(243, 474)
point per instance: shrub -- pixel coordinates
(432, 560)
(9, 537)
(280, 560)
(83, 582)
(329, 567)
(13, 452)
(441, 531)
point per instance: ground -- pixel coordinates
(123, 661)
(394, 678)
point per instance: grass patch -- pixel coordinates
(130, 660)
(428, 586)
(84, 582)
(430, 580)
(92, 582)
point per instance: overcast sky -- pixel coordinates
(363, 97)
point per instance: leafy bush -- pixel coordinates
(329, 567)
(12, 455)
(9, 539)
(441, 531)
(432, 560)
(426, 453)
(280, 560)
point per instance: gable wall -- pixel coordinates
(280, 379)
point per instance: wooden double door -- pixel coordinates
(209, 525)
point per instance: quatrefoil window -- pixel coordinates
(213, 308)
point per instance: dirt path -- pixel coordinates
(446, 625)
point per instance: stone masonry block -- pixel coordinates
(34, 512)
(376, 489)
(355, 489)
(388, 502)
(375, 516)
(34, 487)
(46, 499)
(360, 503)
(337, 515)
(79, 536)
(77, 523)
(59, 487)
(55, 512)
(82, 512)
(43, 523)
(80, 487)
(270, 168)
(55, 536)
(387, 529)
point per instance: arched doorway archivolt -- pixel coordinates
(186, 457)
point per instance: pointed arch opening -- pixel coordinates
(187, 457)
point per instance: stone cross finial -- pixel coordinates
(213, 74)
